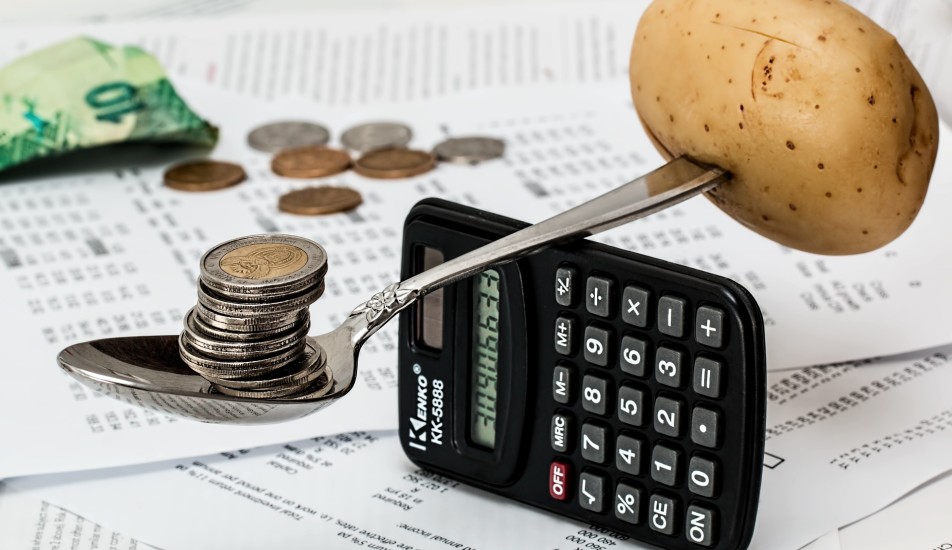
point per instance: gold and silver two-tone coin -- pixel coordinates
(263, 266)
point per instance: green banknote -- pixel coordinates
(84, 93)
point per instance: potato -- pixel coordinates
(827, 128)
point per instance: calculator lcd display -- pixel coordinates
(485, 358)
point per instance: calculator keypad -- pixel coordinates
(650, 362)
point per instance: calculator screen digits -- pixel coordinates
(485, 359)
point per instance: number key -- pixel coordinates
(597, 342)
(595, 394)
(665, 465)
(630, 404)
(628, 454)
(667, 419)
(594, 443)
(632, 355)
(669, 369)
(702, 476)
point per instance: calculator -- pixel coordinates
(592, 382)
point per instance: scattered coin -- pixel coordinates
(315, 201)
(203, 175)
(376, 135)
(394, 163)
(470, 149)
(278, 136)
(310, 162)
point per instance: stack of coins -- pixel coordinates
(248, 333)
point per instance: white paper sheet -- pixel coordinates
(918, 521)
(844, 441)
(27, 522)
(94, 254)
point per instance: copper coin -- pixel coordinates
(394, 163)
(315, 201)
(310, 162)
(203, 175)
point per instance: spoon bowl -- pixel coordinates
(148, 372)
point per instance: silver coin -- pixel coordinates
(230, 308)
(263, 265)
(249, 325)
(195, 323)
(470, 149)
(231, 370)
(278, 136)
(296, 377)
(245, 350)
(376, 135)
(269, 393)
(321, 387)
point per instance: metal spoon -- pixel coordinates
(147, 371)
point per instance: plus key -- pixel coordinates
(709, 326)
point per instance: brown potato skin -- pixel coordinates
(828, 129)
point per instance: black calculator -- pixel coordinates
(603, 385)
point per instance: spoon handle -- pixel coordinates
(674, 182)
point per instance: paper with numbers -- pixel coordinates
(27, 522)
(354, 57)
(843, 442)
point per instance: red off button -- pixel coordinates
(559, 480)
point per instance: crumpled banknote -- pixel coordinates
(84, 93)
